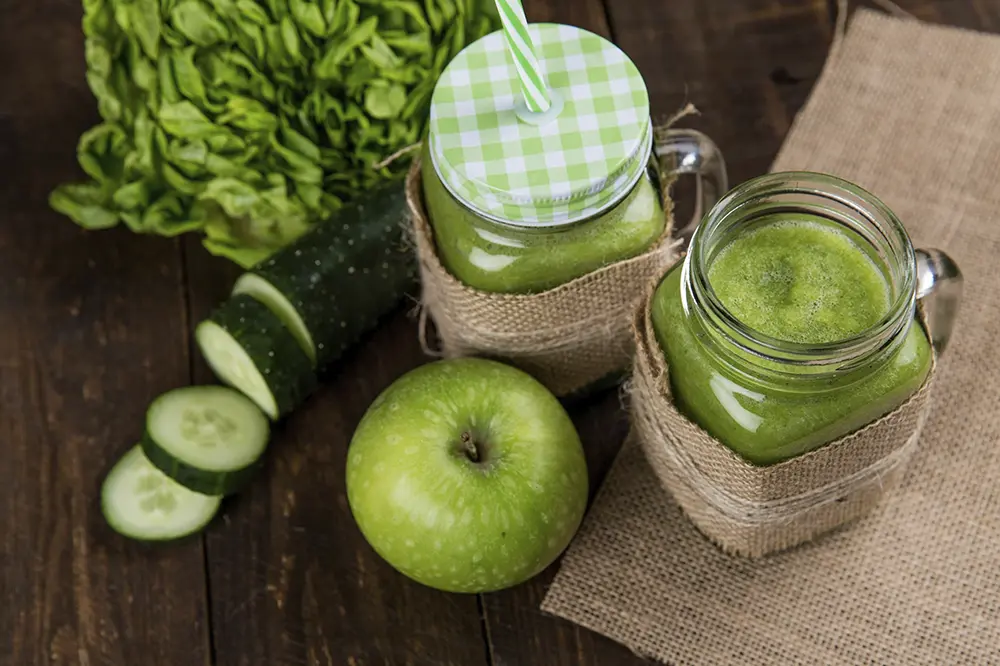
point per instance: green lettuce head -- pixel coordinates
(250, 120)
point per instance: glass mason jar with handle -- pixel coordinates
(792, 320)
(521, 202)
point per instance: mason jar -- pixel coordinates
(793, 319)
(521, 202)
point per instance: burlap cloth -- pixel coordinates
(568, 337)
(912, 112)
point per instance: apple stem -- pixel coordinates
(471, 450)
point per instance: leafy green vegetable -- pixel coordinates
(251, 120)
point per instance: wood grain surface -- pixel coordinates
(93, 325)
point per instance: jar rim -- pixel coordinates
(858, 208)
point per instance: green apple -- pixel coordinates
(467, 475)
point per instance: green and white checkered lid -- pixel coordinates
(546, 169)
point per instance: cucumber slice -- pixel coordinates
(249, 348)
(259, 288)
(209, 439)
(141, 502)
(333, 284)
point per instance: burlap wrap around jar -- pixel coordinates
(568, 337)
(754, 510)
(537, 226)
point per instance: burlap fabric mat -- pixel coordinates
(568, 337)
(754, 511)
(912, 112)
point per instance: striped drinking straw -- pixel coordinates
(515, 27)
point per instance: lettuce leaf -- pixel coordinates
(248, 121)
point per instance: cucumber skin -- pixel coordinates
(279, 358)
(347, 272)
(200, 481)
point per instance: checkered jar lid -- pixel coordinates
(540, 170)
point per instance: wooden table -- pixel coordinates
(94, 325)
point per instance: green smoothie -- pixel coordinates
(503, 258)
(799, 280)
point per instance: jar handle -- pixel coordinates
(687, 151)
(939, 288)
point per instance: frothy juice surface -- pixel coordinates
(798, 279)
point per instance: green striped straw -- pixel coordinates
(515, 27)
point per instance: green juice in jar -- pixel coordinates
(497, 257)
(795, 278)
(524, 199)
(520, 201)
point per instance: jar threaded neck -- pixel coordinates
(842, 204)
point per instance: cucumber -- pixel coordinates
(209, 439)
(141, 502)
(249, 348)
(331, 285)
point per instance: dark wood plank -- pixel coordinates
(518, 632)
(748, 66)
(92, 329)
(292, 579)
(587, 14)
